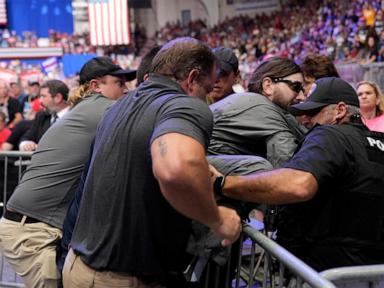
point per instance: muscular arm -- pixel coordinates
(279, 186)
(180, 166)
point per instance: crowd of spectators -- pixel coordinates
(346, 31)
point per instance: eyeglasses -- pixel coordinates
(296, 86)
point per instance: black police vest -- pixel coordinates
(355, 213)
(347, 212)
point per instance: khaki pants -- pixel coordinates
(31, 250)
(76, 274)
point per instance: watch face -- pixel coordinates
(218, 185)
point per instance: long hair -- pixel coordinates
(379, 95)
(79, 93)
(274, 67)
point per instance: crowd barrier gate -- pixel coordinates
(267, 262)
(354, 73)
(263, 266)
(12, 164)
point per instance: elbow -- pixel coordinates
(168, 174)
(303, 194)
(305, 187)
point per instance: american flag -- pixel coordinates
(3, 13)
(50, 64)
(109, 22)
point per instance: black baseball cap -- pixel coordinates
(101, 66)
(227, 59)
(325, 91)
(33, 83)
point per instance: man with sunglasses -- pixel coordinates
(339, 171)
(257, 122)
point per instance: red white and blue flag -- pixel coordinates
(109, 22)
(50, 64)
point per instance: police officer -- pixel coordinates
(338, 175)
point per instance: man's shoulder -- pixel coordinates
(95, 101)
(348, 134)
(42, 115)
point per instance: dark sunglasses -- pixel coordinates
(296, 86)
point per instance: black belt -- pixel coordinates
(17, 217)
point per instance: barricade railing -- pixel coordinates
(12, 164)
(271, 263)
(354, 72)
(371, 276)
(268, 261)
(15, 161)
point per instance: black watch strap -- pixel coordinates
(218, 185)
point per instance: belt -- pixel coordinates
(17, 217)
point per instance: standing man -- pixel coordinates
(339, 171)
(31, 226)
(228, 74)
(148, 177)
(53, 97)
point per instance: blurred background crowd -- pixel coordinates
(346, 31)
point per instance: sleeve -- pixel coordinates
(18, 132)
(280, 148)
(280, 141)
(185, 115)
(324, 153)
(32, 132)
(13, 108)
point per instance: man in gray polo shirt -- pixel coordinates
(32, 223)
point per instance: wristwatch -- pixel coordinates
(218, 185)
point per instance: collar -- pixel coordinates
(61, 113)
(165, 80)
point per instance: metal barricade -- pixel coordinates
(354, 73)
(267, 267)
(375, 72)
(371, 276)
(12, 165)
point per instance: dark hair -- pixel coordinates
(56, 86)
(146, 64)
(274, 67)
(318, 66)
(179, 56)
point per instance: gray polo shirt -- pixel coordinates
(250, 124)
(49, 183)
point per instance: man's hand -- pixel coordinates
(229, 227)
(27, 146)
(214, 173)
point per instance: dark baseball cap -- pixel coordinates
(33, 83)
(227, 59)
(325, 91)
(101, 66)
